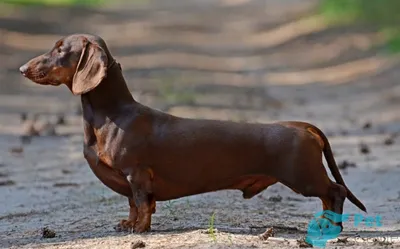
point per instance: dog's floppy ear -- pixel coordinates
(91, 69)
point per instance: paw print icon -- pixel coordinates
(320, 229)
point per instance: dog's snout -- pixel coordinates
(23, 69)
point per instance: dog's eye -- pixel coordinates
(59, 50)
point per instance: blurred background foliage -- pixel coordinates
(53, 2)
(383, 14)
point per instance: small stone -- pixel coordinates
(346, 164)
(7, 183)
(364, 149)
(66, 171)
(367, 126)
(48, 233)
(16, 150)
(342, 240)
(268, 233)
(276, 198)
(60, 120)
(389, 141)
(24, 116)
(303, 244)
(137, 244)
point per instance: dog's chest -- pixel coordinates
(119, 143)
(106, 143)
(109, 146)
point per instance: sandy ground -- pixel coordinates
(330, 77)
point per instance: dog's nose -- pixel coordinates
(23, 69)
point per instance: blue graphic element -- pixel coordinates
(320, 229)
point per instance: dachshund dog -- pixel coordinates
(148, 155)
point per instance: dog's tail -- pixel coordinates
(335, 170)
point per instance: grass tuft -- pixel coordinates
(211, 229)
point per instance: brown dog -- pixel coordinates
(148, 156)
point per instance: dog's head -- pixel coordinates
(79, 61)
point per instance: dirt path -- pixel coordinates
(255, 61)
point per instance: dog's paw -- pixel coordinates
(142, 228)
(125, 226)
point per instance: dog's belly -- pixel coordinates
(250, 185)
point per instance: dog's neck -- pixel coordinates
(111, 94)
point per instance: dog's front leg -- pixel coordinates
(143, 200)
(129, 224)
